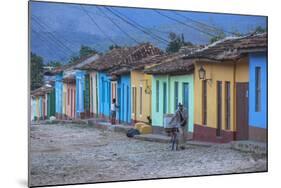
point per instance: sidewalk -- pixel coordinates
(96, 123)
(250, 146)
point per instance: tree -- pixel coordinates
(259, 29)
(219, 36)
(36, 71)
(176, 42)
(86, 50)
(73, 59)
(111, 47)
(54, 64)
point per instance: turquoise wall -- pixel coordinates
(157, 116)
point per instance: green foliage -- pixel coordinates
(219, 36)
(36, 71)
(54, 64)
(176, 42)
(86, 50)
(259, 29)
(73, 59)
(111, 47)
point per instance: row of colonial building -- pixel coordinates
(223, 87)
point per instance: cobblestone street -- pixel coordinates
(71, 153)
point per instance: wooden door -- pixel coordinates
(219, 108)
(242, 127)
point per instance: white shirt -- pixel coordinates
(113, 107)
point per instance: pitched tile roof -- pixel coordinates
(122, 56)
(42, 90)
(232, 47)
(173, 65)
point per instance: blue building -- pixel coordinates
(104, 94)
(124, 98)
(258, 96)
(58, 94)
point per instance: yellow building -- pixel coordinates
(215, 99)
(141, 96)
(221, 88)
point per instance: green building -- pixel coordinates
(172, 83)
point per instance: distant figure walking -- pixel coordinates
(113, 109)
(180, 119)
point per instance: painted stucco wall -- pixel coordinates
(141, 80)
(37, 114)
(157, 116)
(80, 82)
(70, 100)
(58, 91)
(124, 99)
(258, 119)
(40, 107)
(64, 98)
(114, 94)
(226, 71)
(33, 108)
(181, 79)
(94, 92)
(104, 94)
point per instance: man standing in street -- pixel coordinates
(180, 119)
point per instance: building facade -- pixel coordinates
(141, 85)
(258, 96)
(218, 99)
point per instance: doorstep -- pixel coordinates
(250, 146)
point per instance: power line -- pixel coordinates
(127, 34)
(189, 26)
(53, 36)
(204, 24)
(139, 25)
(41, 37)
(47, 26)
(56, 43)
(134, 26)
(85, 11)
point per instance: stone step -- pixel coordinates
(250, 146)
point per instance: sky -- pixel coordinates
(58, 30)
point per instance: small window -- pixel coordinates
(258, 89)
(176, 95)
(140, 100)
(157, 95)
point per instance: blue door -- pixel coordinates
(127, 104)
